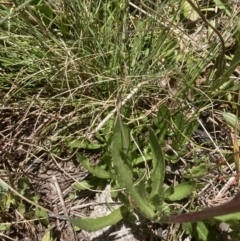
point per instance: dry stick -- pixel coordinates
(129, 96)
(70, 228)
(6, 237)
(226, 186)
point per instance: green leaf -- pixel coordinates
(3, 187)
(191, 128)
(197, 230)
(106, 132)
(158, 172)
(120, 149)
(188, 10)
(89, 184)
(47, 236)
(231, 119)
(42, 215)
(202, 231)
(23, 184)
(22, 208)
(142, 188)
(228, 217)
(36, 2)
(197, 171)
(142, 159)
(48, 129)
(163, 121)
(94, 224)
(5, 226)
(179, 124)
(180, 191)
(6, 201)
(95, 170)
(188, 228)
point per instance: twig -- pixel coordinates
(225, 187)
(6, 237)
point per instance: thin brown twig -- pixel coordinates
(70, 228)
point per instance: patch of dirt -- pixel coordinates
(25, 152)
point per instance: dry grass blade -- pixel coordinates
(70, 228)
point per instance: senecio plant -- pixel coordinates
(146, 193)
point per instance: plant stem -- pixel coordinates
(232, 206)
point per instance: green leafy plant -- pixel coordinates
(145, 193)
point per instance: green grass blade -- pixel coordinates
(14, 11)
(81, 143)
(179, 124)
(225, 6)
(163, 120)
(231, 119)
(226, 75)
